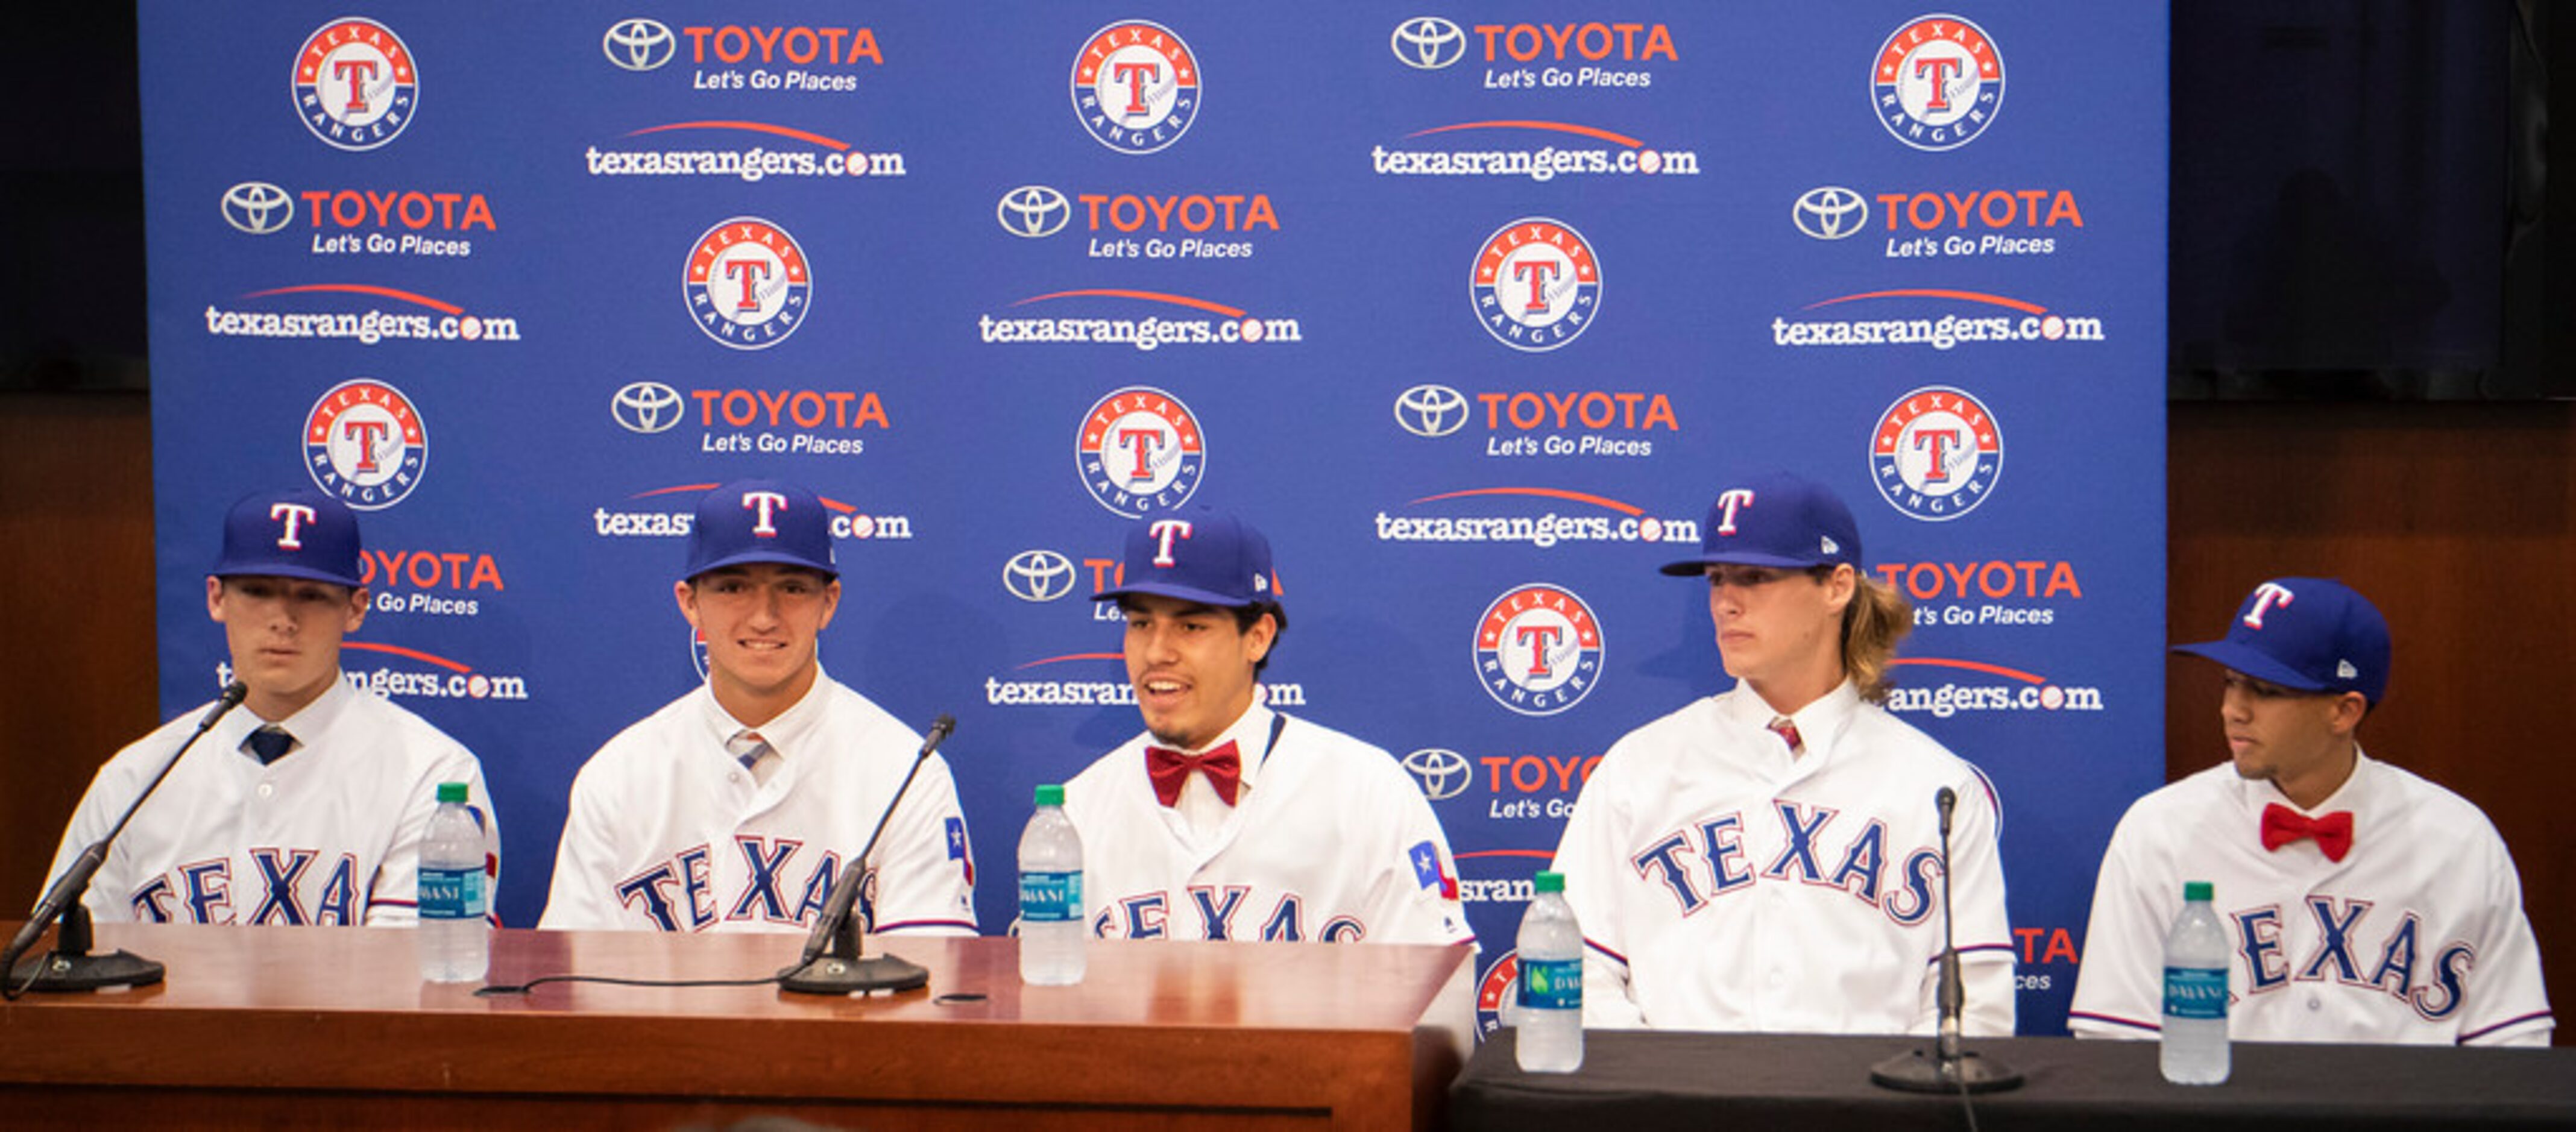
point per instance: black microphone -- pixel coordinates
(832, 963)
(1948, 1068)
(70, 966)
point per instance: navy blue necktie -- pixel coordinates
(269, 744)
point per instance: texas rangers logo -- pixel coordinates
(1140, 450)
(364, 442)
(1536, 284)
(1136, 86)
(1937, 83)
(1936, 453)
(1497, 993)
(1538, 649)
(355, 86)
(747, 284)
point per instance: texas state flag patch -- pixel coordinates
(959, 850)
(1428, 873)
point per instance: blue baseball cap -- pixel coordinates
(2311, 634)
(1774, 520)
(297, 533)
(1201, 555)
(751, 521)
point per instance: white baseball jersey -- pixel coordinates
(328, 834)
(668, 831)
(2416, 936)
(1329, 840)
(1724, 885)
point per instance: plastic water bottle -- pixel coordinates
(1052, 930)
(455, 942)
(1550, 1038)
(2195, 1023)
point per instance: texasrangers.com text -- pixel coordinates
(368, 328)
(1545, 164)
(751, 164)
(1939, 333)
(1141, 333)
(1948, 700)
(1541, 531)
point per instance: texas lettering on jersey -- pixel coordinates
(2395, 965)
(203, 891)
(1707, 860)
(679, 893)
(1228, 913)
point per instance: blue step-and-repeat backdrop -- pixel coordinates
(1468, 306)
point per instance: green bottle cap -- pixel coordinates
(451, 792)
(1050, 795)
(1549, 882)
(2195, 890)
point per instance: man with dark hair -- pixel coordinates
(308, 804)
(1767, 858)
(734, 807)
(1227, 820)
(2366, 904)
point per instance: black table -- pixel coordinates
(1631, 1081)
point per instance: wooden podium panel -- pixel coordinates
(329, 1027)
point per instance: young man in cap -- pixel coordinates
(1768, 858)
(2367, 904)
(308, 803)
(735, 807)
(1225, 819)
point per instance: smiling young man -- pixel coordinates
(1767, 858)
(307, 804)
(1225, 819)
(734, 807)
(2366, 904)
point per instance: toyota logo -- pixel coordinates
(646, 406)
(1431, 410)
(257, 207)
(1427, 43)
(1038, 575)
(1441, 773)
(1033, 211)
(638, 44)
(1830, 212)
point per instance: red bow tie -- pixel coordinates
(1170, 769)
(2283, 825)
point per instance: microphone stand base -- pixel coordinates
(56, 971)
(830, 974)
(1919, 1071)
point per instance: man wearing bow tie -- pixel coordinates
(2367, 904)
(1225, 819)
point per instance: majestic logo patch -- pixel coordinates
(354, 84)
(364, 442)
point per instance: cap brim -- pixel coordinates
(1182, 593)
(2245, 659)
(756, 557)
(272, 570)
(1689, 566)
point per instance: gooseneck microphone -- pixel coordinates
(70, 966)
(832, 962)
(1947, 1068)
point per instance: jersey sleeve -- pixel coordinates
(925, 864)
(1980, 925)
(582, 893)
(393, 900)
(2507, 1004)
(1588, 854)
(2117, 990)
(1419, 883)
(109, 792)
